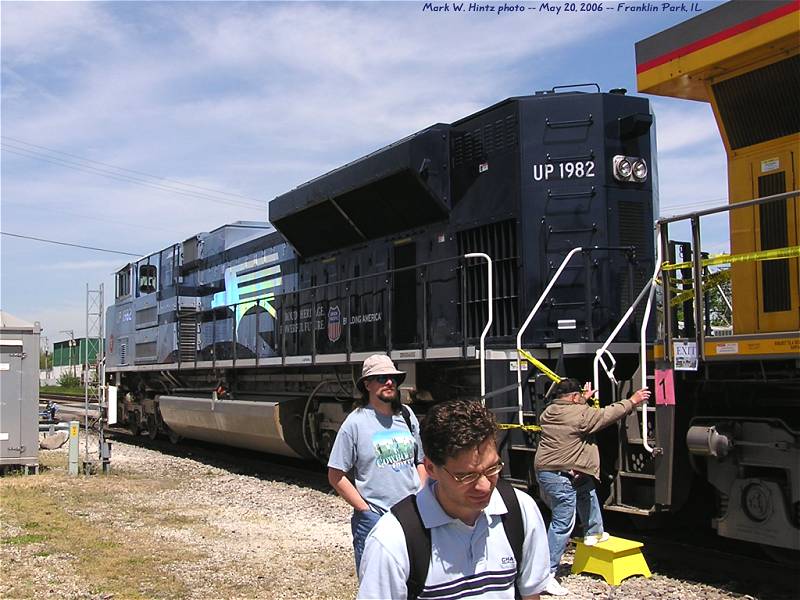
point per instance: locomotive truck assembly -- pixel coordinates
(523, 230)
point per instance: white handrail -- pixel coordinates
(643, 349)
(604, 348)
(488, 322)
(530, 318)
(648, 289)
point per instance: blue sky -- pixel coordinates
(232, 104)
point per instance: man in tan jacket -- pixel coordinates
(568, 463)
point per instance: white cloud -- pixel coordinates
(251, 98)
(37, 31)
(683, 124)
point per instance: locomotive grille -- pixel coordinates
(146, 351)
(474, 146)
(768, 96)
(633, 231)
(187, 335)
(147, 315)
(499, 241)
(774, 234)
(123, 351)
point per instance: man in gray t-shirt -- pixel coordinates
(379, 442)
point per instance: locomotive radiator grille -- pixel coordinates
(187, 335)
(499, 241)
(633, 231)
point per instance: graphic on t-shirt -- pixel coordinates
(393, 448)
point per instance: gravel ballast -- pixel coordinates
(249, 536)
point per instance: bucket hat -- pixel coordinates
(379, 364)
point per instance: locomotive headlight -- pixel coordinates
(640, 170)
(629, 169)
(622, 168)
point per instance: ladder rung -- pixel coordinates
(521, 484)
(633, 475)
(521, 448)
(638, 441)
(630, 510)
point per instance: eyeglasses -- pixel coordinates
(475, 475)
(382, 379)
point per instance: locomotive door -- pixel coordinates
(404, 295)
(776, 226)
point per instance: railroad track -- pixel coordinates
(70, 407)
(63, 398)
(241, 462)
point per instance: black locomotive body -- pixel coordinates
(253, 337)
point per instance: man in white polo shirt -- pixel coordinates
(470, 551)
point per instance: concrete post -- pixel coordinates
(74, 431)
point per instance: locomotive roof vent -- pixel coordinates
(397, 188)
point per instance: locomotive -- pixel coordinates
(433, 250)
(734, 406)
(526, 231)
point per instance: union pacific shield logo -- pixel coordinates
(334, 323)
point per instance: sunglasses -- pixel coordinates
(382, 379)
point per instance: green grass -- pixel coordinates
(25, 538)
(57, 389)
(50, 514)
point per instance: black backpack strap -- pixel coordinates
(512, 522)
(405, 411)
(418, 544)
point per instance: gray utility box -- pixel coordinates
(19, 393)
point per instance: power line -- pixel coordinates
(151, 176)
(121, 176)
(28, 237)
(97, 162)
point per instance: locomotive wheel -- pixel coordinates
(133, 424)
(152, 427)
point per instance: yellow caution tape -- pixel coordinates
(518, 426)
(539, 365)
(722, 259)
(709, 282)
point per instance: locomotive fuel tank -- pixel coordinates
(268, 424)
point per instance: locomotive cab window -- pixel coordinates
(148, 276)
(124, 283)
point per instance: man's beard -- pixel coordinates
(393, 399)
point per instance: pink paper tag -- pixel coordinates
(665, 387)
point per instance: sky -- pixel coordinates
(130, 126)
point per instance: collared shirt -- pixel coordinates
(466, 561)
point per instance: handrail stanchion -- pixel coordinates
(643, 345)
(530, 318)
(489, 320)
(649, 290)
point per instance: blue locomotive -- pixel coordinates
(433, 250)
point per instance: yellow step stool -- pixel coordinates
(615, 559)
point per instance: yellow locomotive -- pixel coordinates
(733, 413)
